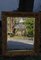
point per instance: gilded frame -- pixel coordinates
(35, 50)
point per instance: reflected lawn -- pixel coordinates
(20, 37)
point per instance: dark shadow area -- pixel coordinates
(23, 58)
(0, 24)
(0, 37)
(18, 46)
(26, 5)
(40, 36)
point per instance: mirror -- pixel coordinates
(20, 33)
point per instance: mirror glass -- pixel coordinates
(20, 33)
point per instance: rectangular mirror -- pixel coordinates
(20, 33)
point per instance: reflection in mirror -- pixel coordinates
(20, 33)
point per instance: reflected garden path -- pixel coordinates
(21, 39)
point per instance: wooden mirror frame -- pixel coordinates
(35, 50)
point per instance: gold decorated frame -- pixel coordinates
(35, 50)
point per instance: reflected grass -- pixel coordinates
(20, 37)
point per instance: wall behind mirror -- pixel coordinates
(20, 5)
